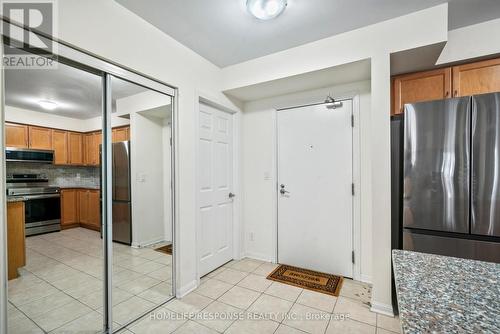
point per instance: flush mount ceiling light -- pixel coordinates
(266, 9)
(48, 105)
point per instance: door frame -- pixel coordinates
(356, 179)
(201, 98)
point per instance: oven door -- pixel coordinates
(42, 214)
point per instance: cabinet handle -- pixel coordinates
(447, 94)
(456, 92)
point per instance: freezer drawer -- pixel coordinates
(437, 166)
(463, 248)
(485, 187)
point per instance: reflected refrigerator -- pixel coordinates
(121, 193)
(451, 191)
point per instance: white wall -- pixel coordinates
(19, 115)
(147, 152)
(375, 42)
(259, 165)
(474, 41)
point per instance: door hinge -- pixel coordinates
(352, 120)
(170, 141)
(352, 256)
(352, 189)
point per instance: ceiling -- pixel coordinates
(223, 32)
(76, 92)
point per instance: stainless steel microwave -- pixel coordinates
(29, 155)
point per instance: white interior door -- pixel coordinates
(315, 219)
(215, 174)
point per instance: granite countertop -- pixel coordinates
(440, 294)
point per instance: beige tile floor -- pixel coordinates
(60, 288)
(60, 292)
(240, 289)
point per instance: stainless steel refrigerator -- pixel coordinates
(451, 185)
(122, 203)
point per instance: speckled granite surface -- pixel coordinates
(439, 294)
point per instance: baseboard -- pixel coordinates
(366, 279)
(384, 309)
(186, 289)
(257, 256)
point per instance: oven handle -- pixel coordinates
(27, 198)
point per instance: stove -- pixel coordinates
(42, 203)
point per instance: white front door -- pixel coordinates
(215, 175)
(315, 201)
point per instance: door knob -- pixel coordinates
(231, 195)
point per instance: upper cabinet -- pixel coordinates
(16, 135)
(476, 78)
(121, 134)
(70, 148)
(92, 142)
(40, 138)
(462, 80)
(75, 152)
(60, 146)
(422, 86)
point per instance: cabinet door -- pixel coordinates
(94, 210)
(96, 151)
(16, 135)
(418, 87)
(60, 146)
(40, 138)
(69, 207)
(16, 249)
(476, 78)
(83, 206)
(89, 147)
(75, 148)
(120, 134)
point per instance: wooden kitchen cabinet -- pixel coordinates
(83, 206)
(476, 78)
(69, 208)
(40, 138)
(16, 247)
(422, 86)
(60, 146)
(16, 135)
(94, 209)
(75, 141)
(92, 142)
(121, 134)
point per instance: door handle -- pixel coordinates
(231, 195)
(283, 191)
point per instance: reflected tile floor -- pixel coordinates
(60, 288)
(237, 298)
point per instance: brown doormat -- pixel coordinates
(165, 249)
(307, 279)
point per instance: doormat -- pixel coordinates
(165, 249)
(307, 279)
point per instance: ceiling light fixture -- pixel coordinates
(48, 105)
(266, 9)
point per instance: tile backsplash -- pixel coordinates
(61, 176)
